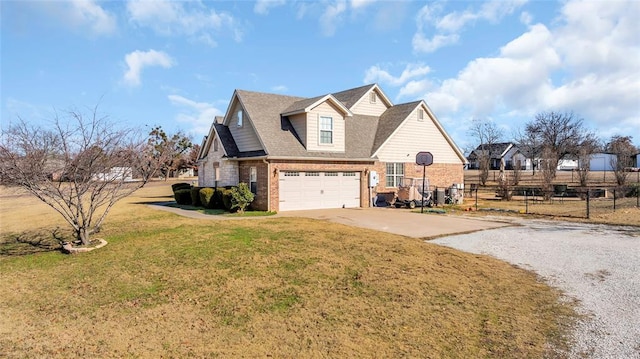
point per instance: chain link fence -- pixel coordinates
(563, 200)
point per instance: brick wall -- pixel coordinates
(303, 166)
(267, 197)
(262, 187)
(439, 175)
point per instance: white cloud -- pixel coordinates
(279, 88)
(173, 18)
(199, 115)
(262, 7)
(332, 16)
(137, 60)
(584, 61)
(89, 13)
(377, 74)
(448, 27)
(360, 4)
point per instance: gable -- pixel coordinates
(373, 103)
(243, 132)
(414, 135)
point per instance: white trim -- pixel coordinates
(325, 98)
(320, 143)
(381, 94)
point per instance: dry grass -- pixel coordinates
(168, 286)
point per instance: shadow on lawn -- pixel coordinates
(30, 242)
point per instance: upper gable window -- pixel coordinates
(325, 125)
(239, 115)
(215, 145)
(420, 114)
(373, 97)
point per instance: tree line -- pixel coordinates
(546, 140)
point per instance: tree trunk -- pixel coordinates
(82, 235)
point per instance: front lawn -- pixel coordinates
(168, 286)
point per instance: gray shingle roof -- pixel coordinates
(279, 137)
(226, 139)
(351, 96)
(302, 104)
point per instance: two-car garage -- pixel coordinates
(316, 190)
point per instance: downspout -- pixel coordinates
(264, 160)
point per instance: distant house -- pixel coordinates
(324, 152)
(504, 151)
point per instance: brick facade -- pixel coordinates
(268, 184)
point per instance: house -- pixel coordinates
(498, 152)
(326, 151)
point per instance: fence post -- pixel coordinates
(588, 195)
(637, 195)
(526, 202)
(614, 199)
(477, 198)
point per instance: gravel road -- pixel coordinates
(598, 265)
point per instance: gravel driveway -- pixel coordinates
(597, 264)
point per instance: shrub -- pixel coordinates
(183, 196)
(177, 186)
(241, 197)
(206, 197)
(226, 199)
(217, 199)
(195, 197)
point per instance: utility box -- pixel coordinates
(374, 179)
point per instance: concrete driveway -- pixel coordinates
(386, 219)
(399, 221)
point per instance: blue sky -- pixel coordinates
(176, 64)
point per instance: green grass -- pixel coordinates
(168, 286)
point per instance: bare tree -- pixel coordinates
(589, 146)
(487, 134)
(557, 135)
(623, 149)
(80, 167)
(530, 146)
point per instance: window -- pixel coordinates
(253, 180)
(312, 174)
(331, 174)
(291, 174)
(395, 172)
(349, 174)
(239, 123)
(326, 130)
(372, 97)
(215, 145)
(420, 115)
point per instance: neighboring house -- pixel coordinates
(567, 164)
(115, 174)
(504, 151)
(307, 153)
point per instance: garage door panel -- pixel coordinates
(316, 190)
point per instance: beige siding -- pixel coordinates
(415, 136)
(365, 107)
(299, 123)
(313, 138)
(245, 136)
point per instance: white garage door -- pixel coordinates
(314, 190)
